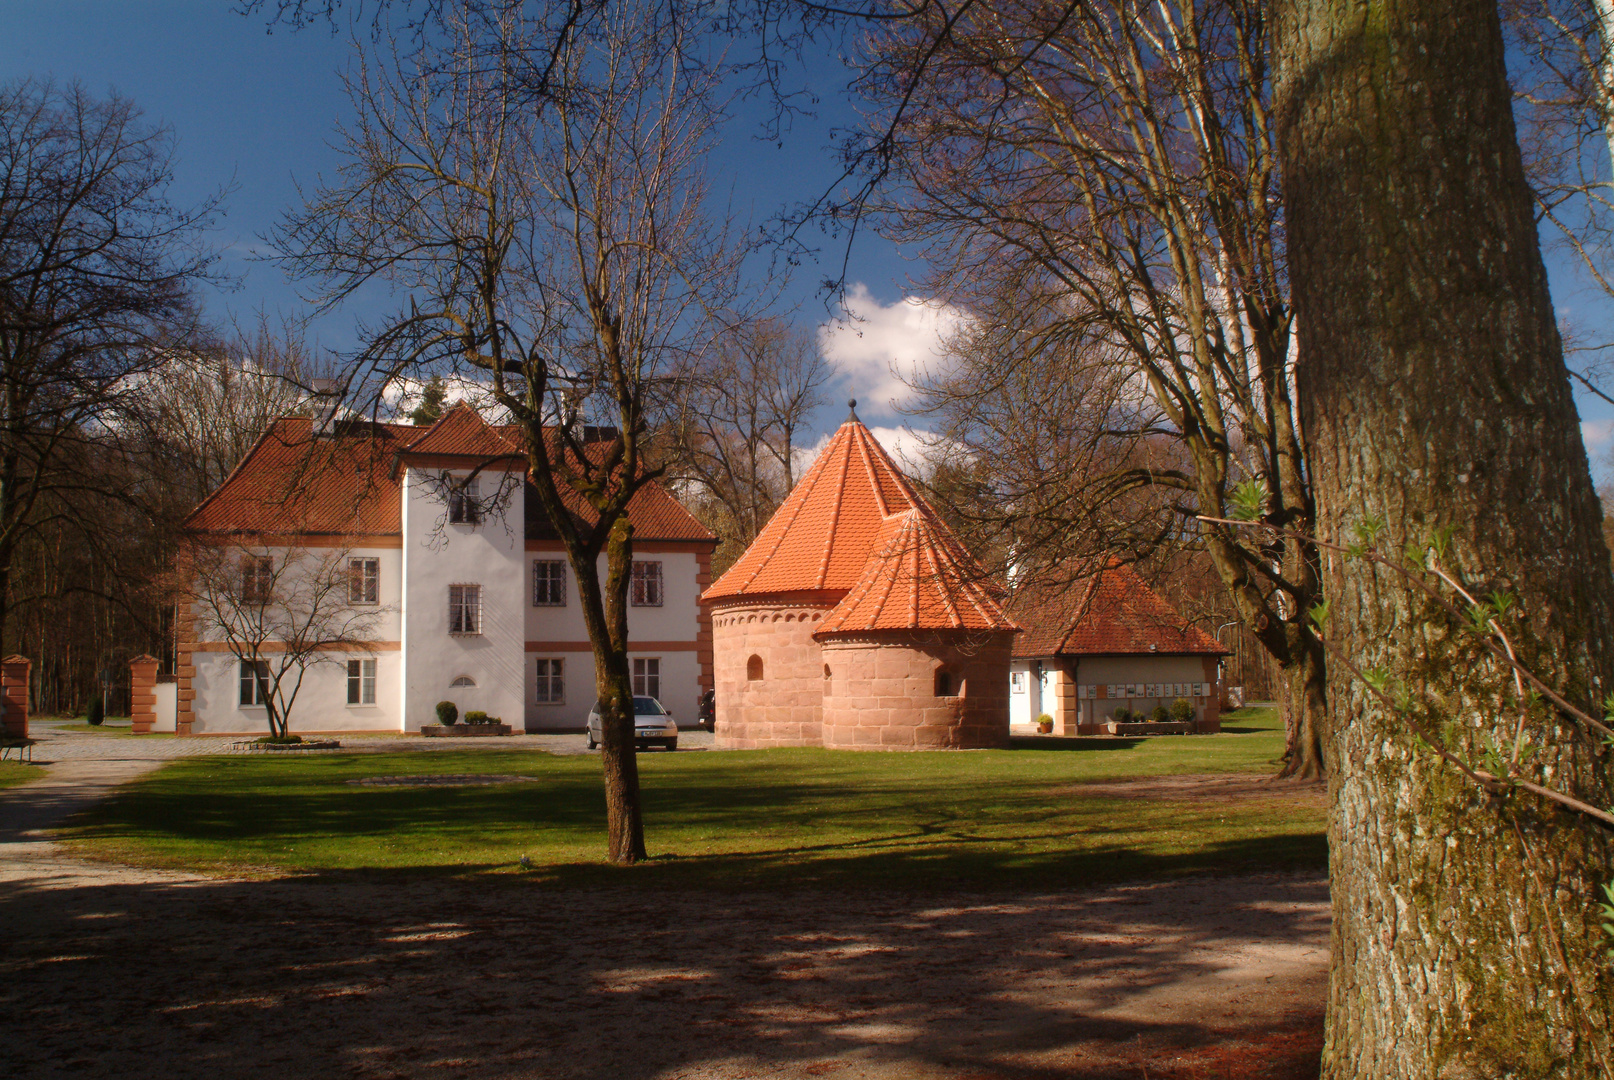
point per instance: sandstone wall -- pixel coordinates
(783, 707)
(880, 692)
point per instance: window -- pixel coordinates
(753, 669)
(257, 578)
(465, 609)
(551, 682)
(462, 508)
(944, 683)
(254, 682)
(1017, 682)
(647, 675)
(646, 584)
(361, 682)
(548, 583)
(461, 682)
(363, 581)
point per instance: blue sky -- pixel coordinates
(255, 110)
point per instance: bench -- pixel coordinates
(24, 749)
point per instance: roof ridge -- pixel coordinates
(834, 519)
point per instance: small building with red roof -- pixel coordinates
(440, 535)
(1104, 643)
(857, 620)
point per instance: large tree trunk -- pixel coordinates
(1434, 395)
(1305, 707)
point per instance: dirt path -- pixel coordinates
(111, 971)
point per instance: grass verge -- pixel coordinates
(759, 819)
(13, 773)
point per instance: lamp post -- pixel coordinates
(1236, 654)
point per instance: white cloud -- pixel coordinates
(403, 394)
(1596, 434)
(909, 447)
(879, 347)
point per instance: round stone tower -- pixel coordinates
(856, 590)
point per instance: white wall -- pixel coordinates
(321, 703)
(438, 554)
(680, 689)
(677, 620)
(167, 708)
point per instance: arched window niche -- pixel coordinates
(753, 669)
(462, 682)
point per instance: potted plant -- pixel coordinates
(1045, 724)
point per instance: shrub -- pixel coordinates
(281, 740)
(447, 713)
(1045, 719)
(97, 711)
(1159, 715)
(476, 716)
(1123, 715)
(1182, 710)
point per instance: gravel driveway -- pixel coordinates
(108, 970)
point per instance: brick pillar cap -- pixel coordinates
(15, 658)
(143, 659)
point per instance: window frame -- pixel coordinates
(361, 681)
(556, 583)
(257, 578)
(554, 678)
(646, 668)
(258, 667)
(364, 571)
(462, 496)
(648, 579)
(1017, 682)
(458, 607)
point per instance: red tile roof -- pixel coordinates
(461, 432)
(348, 484)
(1111, 612)
(821, 538)
(917, 579)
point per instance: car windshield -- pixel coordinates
(647, 706)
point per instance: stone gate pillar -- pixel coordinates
(14, 694)
(143, 693)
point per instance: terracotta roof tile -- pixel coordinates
(461, 432)
(915, 579)
(293, 481)
(821, 538)
(1111, 612)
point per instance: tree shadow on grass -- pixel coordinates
(508, 978)
(1072, 742)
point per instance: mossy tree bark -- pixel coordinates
(1434, 396)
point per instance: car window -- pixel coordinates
(647, 706)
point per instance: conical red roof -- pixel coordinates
(918, 578)
(821, 538)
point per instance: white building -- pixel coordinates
(464, 591)
(1107, 643)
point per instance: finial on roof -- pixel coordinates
(851, 406)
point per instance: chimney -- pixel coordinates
(325, 397)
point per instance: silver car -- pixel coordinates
(652, 725)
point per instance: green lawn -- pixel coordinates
(13, 773)
(116, 730)
(766, 819)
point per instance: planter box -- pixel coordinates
(463, 731)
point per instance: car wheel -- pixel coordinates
(671, 744)
(591, 743)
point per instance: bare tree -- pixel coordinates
(737, 427)
(280, 610)
(96, 272)
(534, 180)
(1096, 185)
